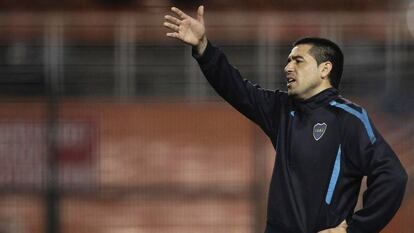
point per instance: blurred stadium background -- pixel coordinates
(107, 125)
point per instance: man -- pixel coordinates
(325, 144)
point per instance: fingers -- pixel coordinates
(200, 14)
(172, 19)
(174, 25)
(173, 35)
(179, 12)
(171, 26)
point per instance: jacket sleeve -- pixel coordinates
(386, 177)
(259, 105)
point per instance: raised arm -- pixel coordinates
(259, 105)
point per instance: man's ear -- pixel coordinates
(325, 69)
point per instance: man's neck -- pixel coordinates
(315, 91)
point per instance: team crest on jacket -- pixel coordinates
(318, 130)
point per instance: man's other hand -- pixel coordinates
(341, 228)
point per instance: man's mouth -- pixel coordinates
(290, 81)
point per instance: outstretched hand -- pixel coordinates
(187, 29)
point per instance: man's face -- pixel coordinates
(302, 73)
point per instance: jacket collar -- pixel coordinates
(318, 100)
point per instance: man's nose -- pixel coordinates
(289, 68)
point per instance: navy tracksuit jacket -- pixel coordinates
(324, 146)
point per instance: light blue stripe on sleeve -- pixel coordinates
(361, 116)
(334, 177)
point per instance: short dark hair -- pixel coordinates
(325, 50)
